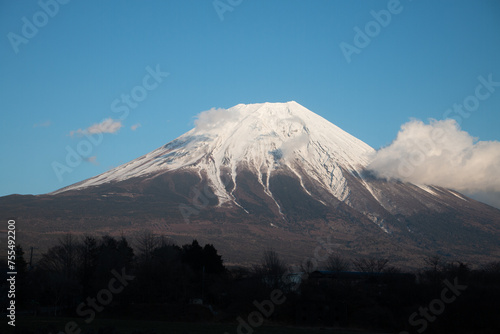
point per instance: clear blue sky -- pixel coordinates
(88, 53)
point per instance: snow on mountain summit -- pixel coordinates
(264, 137)
(267, 175)
(275, 131)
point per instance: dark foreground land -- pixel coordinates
(120, 326)
(106, 286)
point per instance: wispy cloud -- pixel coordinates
(92, 160)
(441, 154)
(42, 124)
(106, 126)
(215, 118)
(294, 143)
(135, 126)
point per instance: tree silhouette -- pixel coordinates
(337, 263)
(370, 265)
(58, 273)
(88, 256)
(193, 255)
(212, 261)
(21, 264)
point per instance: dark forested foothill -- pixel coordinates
(151, 278)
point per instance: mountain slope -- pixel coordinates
(264, 137)
(261, 175)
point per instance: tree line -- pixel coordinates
(76, 268)
(191, 282)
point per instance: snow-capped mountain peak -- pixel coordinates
(265, 138)
(270, 174)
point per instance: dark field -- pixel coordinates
(115, 326)
(104, 286)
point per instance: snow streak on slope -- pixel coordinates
(264, 138)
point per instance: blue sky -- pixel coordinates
(65, 75)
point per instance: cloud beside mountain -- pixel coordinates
(440, 153)
(108, 125)
(214, 118)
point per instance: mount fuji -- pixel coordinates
(267, 175)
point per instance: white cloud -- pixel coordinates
(106, 126)
(135, 126)
(294, 143)
(441, 154)
(92, 160)
(298, 140)
(42, 124)
(215, 118)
